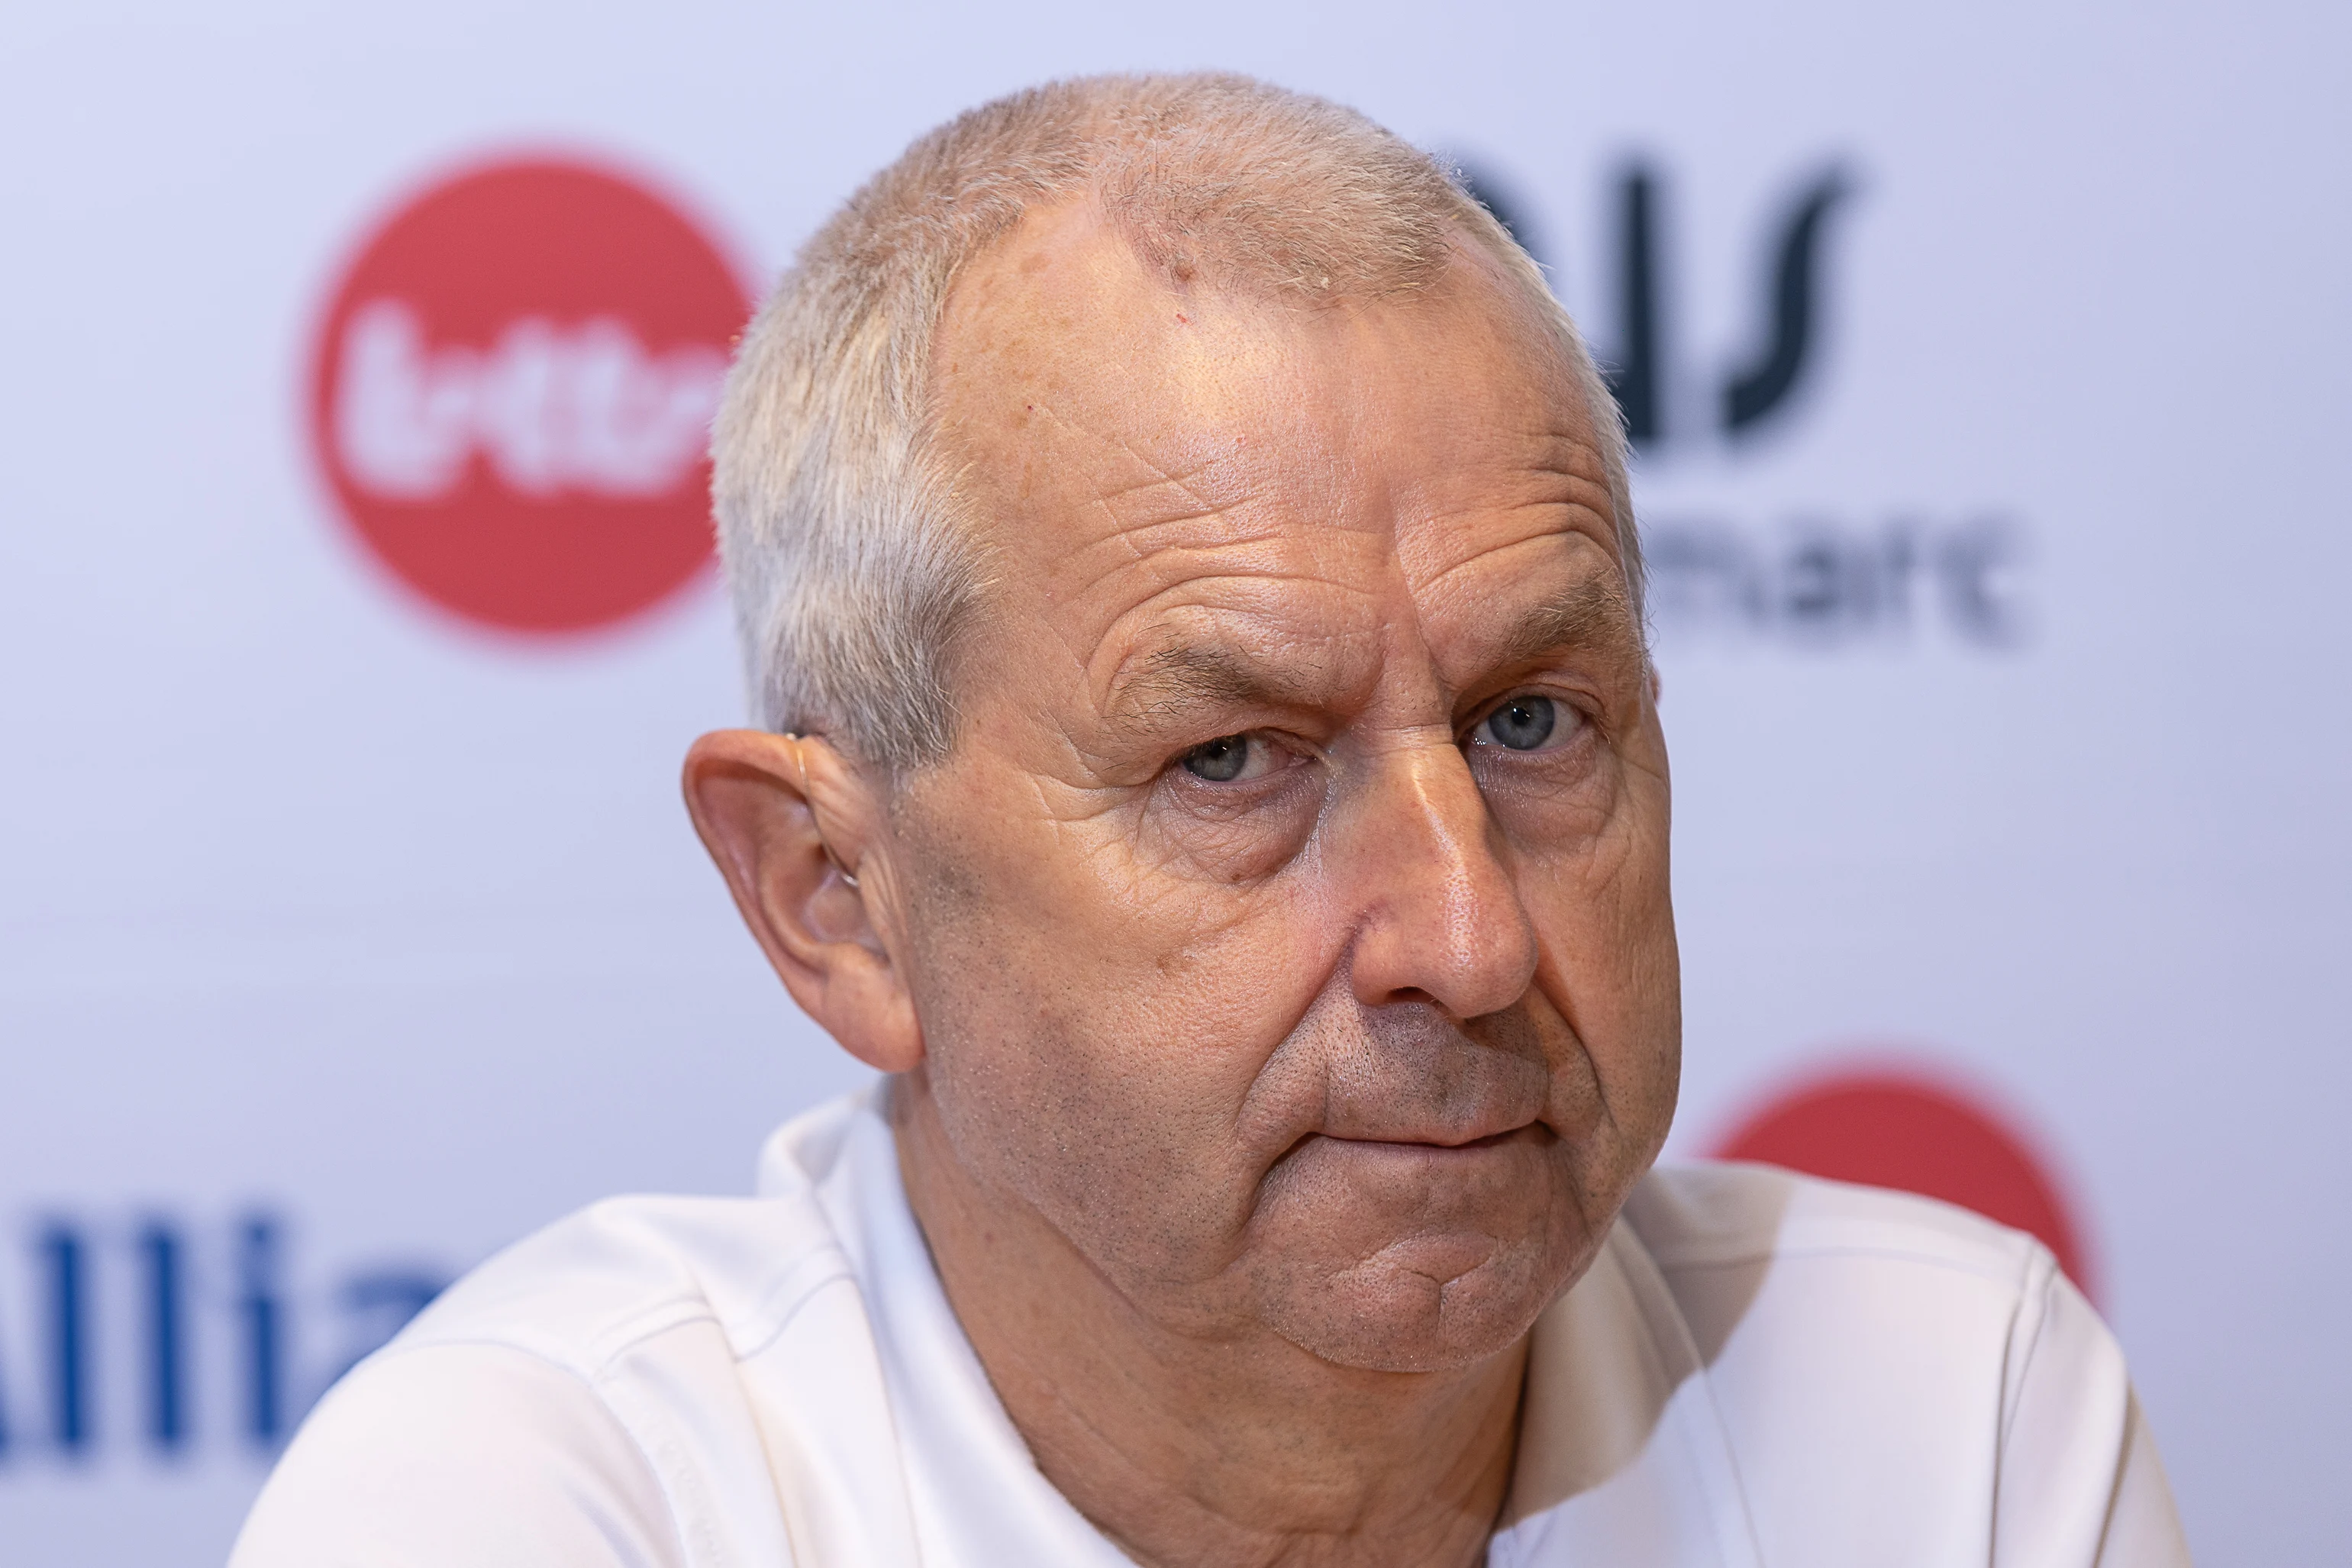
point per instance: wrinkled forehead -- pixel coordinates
(1096, 413)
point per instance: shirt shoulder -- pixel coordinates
(1719, 1232)
(1727, 1211)
(587, 1289)
(462, 1455)
(586, 1397)
(1898, 1379)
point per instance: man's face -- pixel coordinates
(1289, 926)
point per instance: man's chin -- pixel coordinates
(1428, 1302)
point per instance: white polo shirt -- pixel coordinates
(1759, 1369)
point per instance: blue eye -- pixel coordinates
(1522, 723)
(1220, 761)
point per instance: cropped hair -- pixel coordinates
(851, 569)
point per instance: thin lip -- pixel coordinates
(1467, 1145)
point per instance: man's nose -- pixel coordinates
(1437, 912)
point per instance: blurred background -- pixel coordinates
(1988, 367)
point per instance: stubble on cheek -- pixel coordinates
(1087, 1062)
(1611, 973)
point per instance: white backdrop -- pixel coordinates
(2005, 659)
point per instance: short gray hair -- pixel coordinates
(851, 568)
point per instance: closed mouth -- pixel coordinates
(1525, 1132)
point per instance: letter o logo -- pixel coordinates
(512, 390)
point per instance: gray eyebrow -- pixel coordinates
(1594, 612)
(1206, 674)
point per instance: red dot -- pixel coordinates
(511, 394)
(1893, 1128)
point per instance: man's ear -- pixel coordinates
(799, 836)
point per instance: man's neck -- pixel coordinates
(1240, 1448)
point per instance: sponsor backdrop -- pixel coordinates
(1988, 370)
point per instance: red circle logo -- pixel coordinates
(512, 394)
(1891, 1127)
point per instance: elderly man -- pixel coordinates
(1213, 770)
